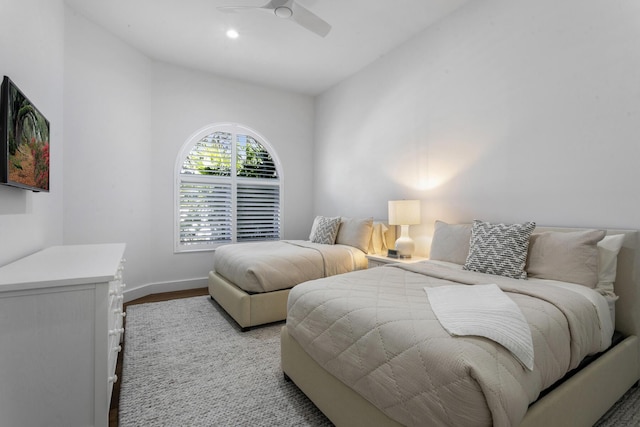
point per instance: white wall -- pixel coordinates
(127, 117)
(505, 111)
(108, 144)
(31, 52)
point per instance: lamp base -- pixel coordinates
(405, 245)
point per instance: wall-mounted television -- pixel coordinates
(24, 141)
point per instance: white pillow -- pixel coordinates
(565, 256)
(450, 242)
(608, 249)
(355, 232)
(378, 243)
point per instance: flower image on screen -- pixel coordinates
(26, 141)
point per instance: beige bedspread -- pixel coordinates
(270, 266)
(375, 331)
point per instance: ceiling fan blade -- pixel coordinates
(309, 20)
(274, 4)
(234, 9)
(271, 5)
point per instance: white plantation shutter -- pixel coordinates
(255, 160)
(210, 155)
(205, 213)
(258, 212)
(223, 201)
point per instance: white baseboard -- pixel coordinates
(159, 287)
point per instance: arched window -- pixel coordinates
(228, 189)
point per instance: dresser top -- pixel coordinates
(63, 265)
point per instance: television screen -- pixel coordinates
(24, 141)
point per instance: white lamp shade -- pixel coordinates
(404, 212)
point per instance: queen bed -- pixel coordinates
(251, 281)
(368, 348)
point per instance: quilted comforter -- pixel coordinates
(375, 331)
(270, 266)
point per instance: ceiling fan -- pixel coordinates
(289, 9)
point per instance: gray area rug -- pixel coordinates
(186, 363)
(625, 412)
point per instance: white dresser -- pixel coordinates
(61, 323)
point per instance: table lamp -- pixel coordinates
(404, 213)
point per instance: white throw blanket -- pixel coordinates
(485, 311)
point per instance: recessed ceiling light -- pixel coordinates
(232, 34)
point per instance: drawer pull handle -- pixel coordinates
(117, 349)
(113, 379)
(113, 332)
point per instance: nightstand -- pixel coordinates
(380, 260)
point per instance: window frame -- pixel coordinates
(233, 180)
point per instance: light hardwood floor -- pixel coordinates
(165, 296)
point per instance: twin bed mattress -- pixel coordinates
(375, 331)
(271, 266)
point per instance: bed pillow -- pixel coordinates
(450, 242)
(378, 242)
(355, 232)
(324, 230)
(608, 249)
(499, 249)
(565, 256)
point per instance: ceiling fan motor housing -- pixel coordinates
(283, 12)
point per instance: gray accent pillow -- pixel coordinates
(565, 256)
(324, 230)
(355, 232)
(450, 242)
(499, 249)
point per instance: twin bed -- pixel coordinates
(372, 348)
(251, 281)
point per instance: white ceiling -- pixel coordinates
(270, 50)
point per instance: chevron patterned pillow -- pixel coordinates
(325, 230)
(499, 249)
